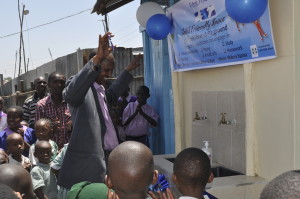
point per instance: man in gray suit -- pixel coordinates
(93, 133)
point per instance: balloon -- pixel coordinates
(246, 11)
(158, 26)
(146, 10)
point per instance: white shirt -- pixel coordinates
(13, 161)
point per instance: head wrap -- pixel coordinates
(88, 190)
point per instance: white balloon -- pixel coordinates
(147, 10)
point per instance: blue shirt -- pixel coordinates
(29, 137)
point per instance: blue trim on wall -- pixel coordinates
(158, 78)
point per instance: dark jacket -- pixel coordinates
(84, 159)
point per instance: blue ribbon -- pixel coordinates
(161, 185)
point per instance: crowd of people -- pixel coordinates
(88, 138)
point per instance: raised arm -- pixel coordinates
(122, 82)
(78, 85)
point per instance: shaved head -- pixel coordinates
(17, 178)
(284, 186)
(131, 169)
(13, 136)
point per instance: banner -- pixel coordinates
(204, 36)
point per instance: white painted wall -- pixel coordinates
(272, 90)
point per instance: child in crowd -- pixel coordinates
(58, 160)
(17, 178)
(55, 168)
(43, 132)
(131, 170)
(138, 117)
(15, 147)
(3, 116)
(43, 180)
(14, 118)
(191, 173)
(3, 157)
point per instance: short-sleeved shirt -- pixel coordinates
(29, 137)
(45, 108)
(25, 160)
(41, 176)
(34, 160)
(58, 160)
(29, 107)
(139, 126)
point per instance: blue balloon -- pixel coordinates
(245, 11)
(158, 26)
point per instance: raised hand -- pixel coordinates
(103, 48)
(134, 63)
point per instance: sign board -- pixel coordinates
(204, 36)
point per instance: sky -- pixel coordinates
(65, 35)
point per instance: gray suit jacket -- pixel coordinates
(84, 159)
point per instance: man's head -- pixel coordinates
(107, 68)
(143, 93)
(14, 117)
(191, 169)
(284, 186)
(43, 151)
(15, 144)
(131, 170)
(17, 178)
(40, 85)
(56, 83)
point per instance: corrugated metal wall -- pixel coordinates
(68, 65)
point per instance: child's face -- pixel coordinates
(43, 153)
(42, 130)
(13, 119)
(16, 146)
(142, 96)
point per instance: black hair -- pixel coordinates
(19, 110)
(192, 167)
(286, 185)
(46, 120)
(13, 136)
(6, 192)
(53, 75)
(145, 89)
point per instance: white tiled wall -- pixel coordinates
(227, 141)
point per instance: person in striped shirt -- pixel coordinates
(29, 105)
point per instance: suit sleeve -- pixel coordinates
(77, 86)
(118, 87)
